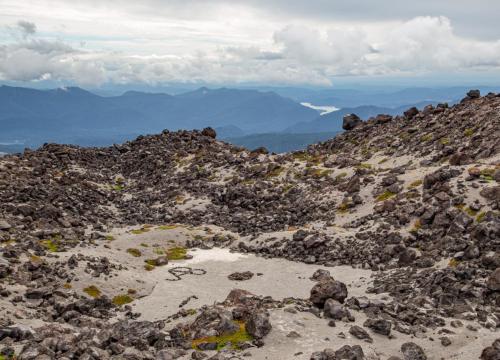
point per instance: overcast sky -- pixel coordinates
(277, 42)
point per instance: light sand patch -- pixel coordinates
(316, 335)
(280, 279)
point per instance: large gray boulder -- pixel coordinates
(258, 325)
(412, 351)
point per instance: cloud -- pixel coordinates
(420, 45)
(294, 54)
(27, 28)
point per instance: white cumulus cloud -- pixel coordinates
(293, 54)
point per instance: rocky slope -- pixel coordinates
(97, 244)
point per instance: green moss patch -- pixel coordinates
(416, 226)
(469, 132)
(121, 300)
(149, 267)
(318, 173)
(340, 176)
(167, 227)
(134, 252)
(176, 253)
(92, 291)
(158, 251)
(139, 231)
(470, 211)
(233, 340)
(275, 172)
(118, 187)
(385, 195)
(480, 216)
(416, 183)
(51, 245)
(364, 166)
(426, 138)
(343, 208)
(453, 263)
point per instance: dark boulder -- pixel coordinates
(350, 121)
(474, 94)
(411, 113)
(208, 131)
(328, 289)
(412, 351)
(258, 325)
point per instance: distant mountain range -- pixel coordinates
(75, 115)
(248, 117)
(382, 97)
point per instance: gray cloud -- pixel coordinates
(27, 28)
(477, 18)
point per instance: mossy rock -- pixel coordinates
(231, 340)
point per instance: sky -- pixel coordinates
(317, 43)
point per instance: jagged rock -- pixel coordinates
(208, 131)
(412, 351)
(335, 310)
(347, 352)
(350, 121)
(4, 225)
(360, 333)
(379, 326)
(260, 150)
(321, 275)
(240, 276)
(494, 280)
(382, 118)
(328, 289)
(491, 193)
(474, 94)
(491, 352)
(411, 113)
(258, 324)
